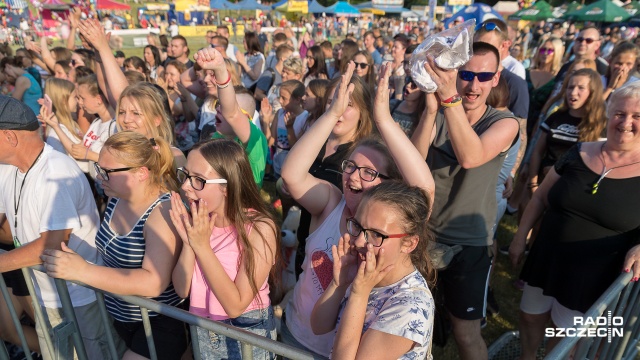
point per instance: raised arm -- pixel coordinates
(46, 54)
(410, 162)
(312, 193)
(211, 59)
(74, 21)
(471, 150)
(52, 120)
(92, 30)
(255, 71)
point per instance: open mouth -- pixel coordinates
(354, 189)
(471, 97)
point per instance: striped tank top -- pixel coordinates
(127, 252)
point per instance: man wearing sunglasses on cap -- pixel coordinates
(465, 143)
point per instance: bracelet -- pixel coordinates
(224, 84)
(455, 102)
(452, 99)
(533, 185)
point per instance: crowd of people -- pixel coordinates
(143, 176)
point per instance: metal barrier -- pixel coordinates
(69, 329)
(620, 302)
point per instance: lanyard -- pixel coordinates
(16, 202)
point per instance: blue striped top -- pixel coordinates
(127, 252)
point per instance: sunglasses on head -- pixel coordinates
(489, 26)
(361, 65)
(587, 40)
(469, 75)
(546, 51)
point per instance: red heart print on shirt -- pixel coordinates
(323, 267)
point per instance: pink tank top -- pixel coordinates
(224, 243)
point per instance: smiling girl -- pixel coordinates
(580, 118)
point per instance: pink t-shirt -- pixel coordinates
(224, 243)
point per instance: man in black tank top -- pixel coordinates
(465, 142)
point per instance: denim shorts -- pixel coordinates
(261, 322)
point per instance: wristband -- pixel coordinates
(224, 84)
(532, 185)
(453, 103)
(452, 99)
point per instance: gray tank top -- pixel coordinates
(464, 207)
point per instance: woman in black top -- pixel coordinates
(587, 204)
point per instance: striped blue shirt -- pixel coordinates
(127, 252)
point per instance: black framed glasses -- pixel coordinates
(361, 65)
(371, 236)
(104, 173)
(489, 26)
(469, 75)
(366, 174)
(197, 183)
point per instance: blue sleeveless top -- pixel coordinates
(127, 252)
(32, 94)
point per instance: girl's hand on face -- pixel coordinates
(179, 215)
(200, 231)
(370, 272)
(342, 96)
(344, 262)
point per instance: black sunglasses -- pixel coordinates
(469, 75)
(104, 173)
(373, 237)
(587, 40)
(362, 65)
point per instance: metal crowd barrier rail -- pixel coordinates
(621, 299)
(69, 329)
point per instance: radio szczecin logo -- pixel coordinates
(601, 327)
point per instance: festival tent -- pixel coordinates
(599, 11)
(632, 7)
(541, 10)
(343, 8)
(252, 5)
(111, 5)
(223, 5)
(53, 11)
(316, 8)
(294, 6)
(479, 12)
(384, 9)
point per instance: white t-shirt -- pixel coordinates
(55, 196)
(54, 140)
(173, 30)
(98, 133)
(316, 276)
(405, 309)
(510, 63)
(282, 139)
(231, 52)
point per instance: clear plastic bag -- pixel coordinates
(451, 49)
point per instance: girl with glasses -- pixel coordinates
(137, 242)
(370, 163)
(379, 300)
(231, 247)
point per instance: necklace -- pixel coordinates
(16, 202)
(606, 171)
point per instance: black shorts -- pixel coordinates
(464, 283)
(169, 336)
(14, 279)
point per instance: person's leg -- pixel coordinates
(467, 334)
(8, 330)
(535, 310)
(562, 317)
(94, 332)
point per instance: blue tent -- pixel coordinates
(316, 8)
(252, 5)
(343, 8)
(279, 3)
(223, 5)
(388, 9)
(478, 11)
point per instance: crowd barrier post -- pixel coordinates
(16, 322)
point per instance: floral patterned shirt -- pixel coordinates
(404, 309)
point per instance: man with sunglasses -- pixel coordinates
(585, 46)
(46, 200)
(465, 142)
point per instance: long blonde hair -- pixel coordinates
(60, 90)
(151, 104)
(135, 150)
(558, 53)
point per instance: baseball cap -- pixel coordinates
(15, 115)
(119, 54)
